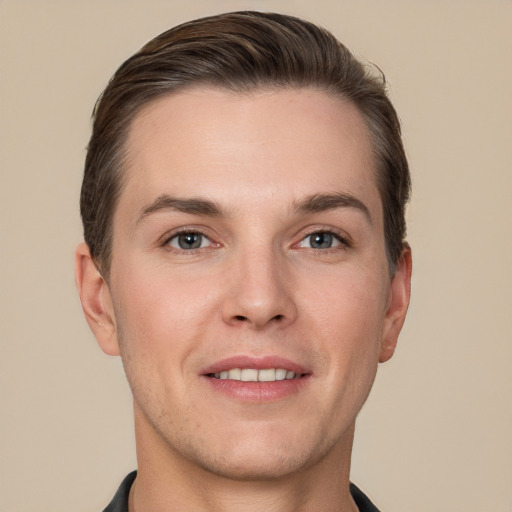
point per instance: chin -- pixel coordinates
(260, 457)
(254, 467)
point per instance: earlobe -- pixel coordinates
(96, 301)
(398, 305)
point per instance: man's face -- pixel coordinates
(249, 244)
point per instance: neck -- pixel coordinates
(166, 481)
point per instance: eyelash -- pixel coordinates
(343, 241)
(168, 239)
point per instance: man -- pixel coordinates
(243, 208)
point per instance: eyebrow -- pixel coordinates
(310, 204)
(192, 206)
(322, 202)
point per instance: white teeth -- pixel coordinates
(249, 375)
(254, 375)
(267, 375)
(234, 374)
(280, 374)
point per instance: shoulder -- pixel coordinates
(120, 501)
(362, 501)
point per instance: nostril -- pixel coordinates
(241, 317)
(278, 317)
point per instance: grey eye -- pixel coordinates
(188, 241)
(321, 240)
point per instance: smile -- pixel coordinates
(255, 375)
(257, 380)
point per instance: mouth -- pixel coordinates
(256, 379)
(256, 375)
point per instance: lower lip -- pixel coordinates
(257, 391)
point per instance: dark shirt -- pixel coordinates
(120, 501)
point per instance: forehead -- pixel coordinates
(288, 142)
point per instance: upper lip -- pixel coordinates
(258, 363)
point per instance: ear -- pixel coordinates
(398, 303)
(96, 301)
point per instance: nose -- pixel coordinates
(260, 292)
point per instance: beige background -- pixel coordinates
(436, 433)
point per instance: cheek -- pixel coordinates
(160, 313)
(348, 315)
(154, 339)
(346, 305)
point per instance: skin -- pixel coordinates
(257, 286)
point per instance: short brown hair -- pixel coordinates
(240, 52)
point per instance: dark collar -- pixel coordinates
(120, 501)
